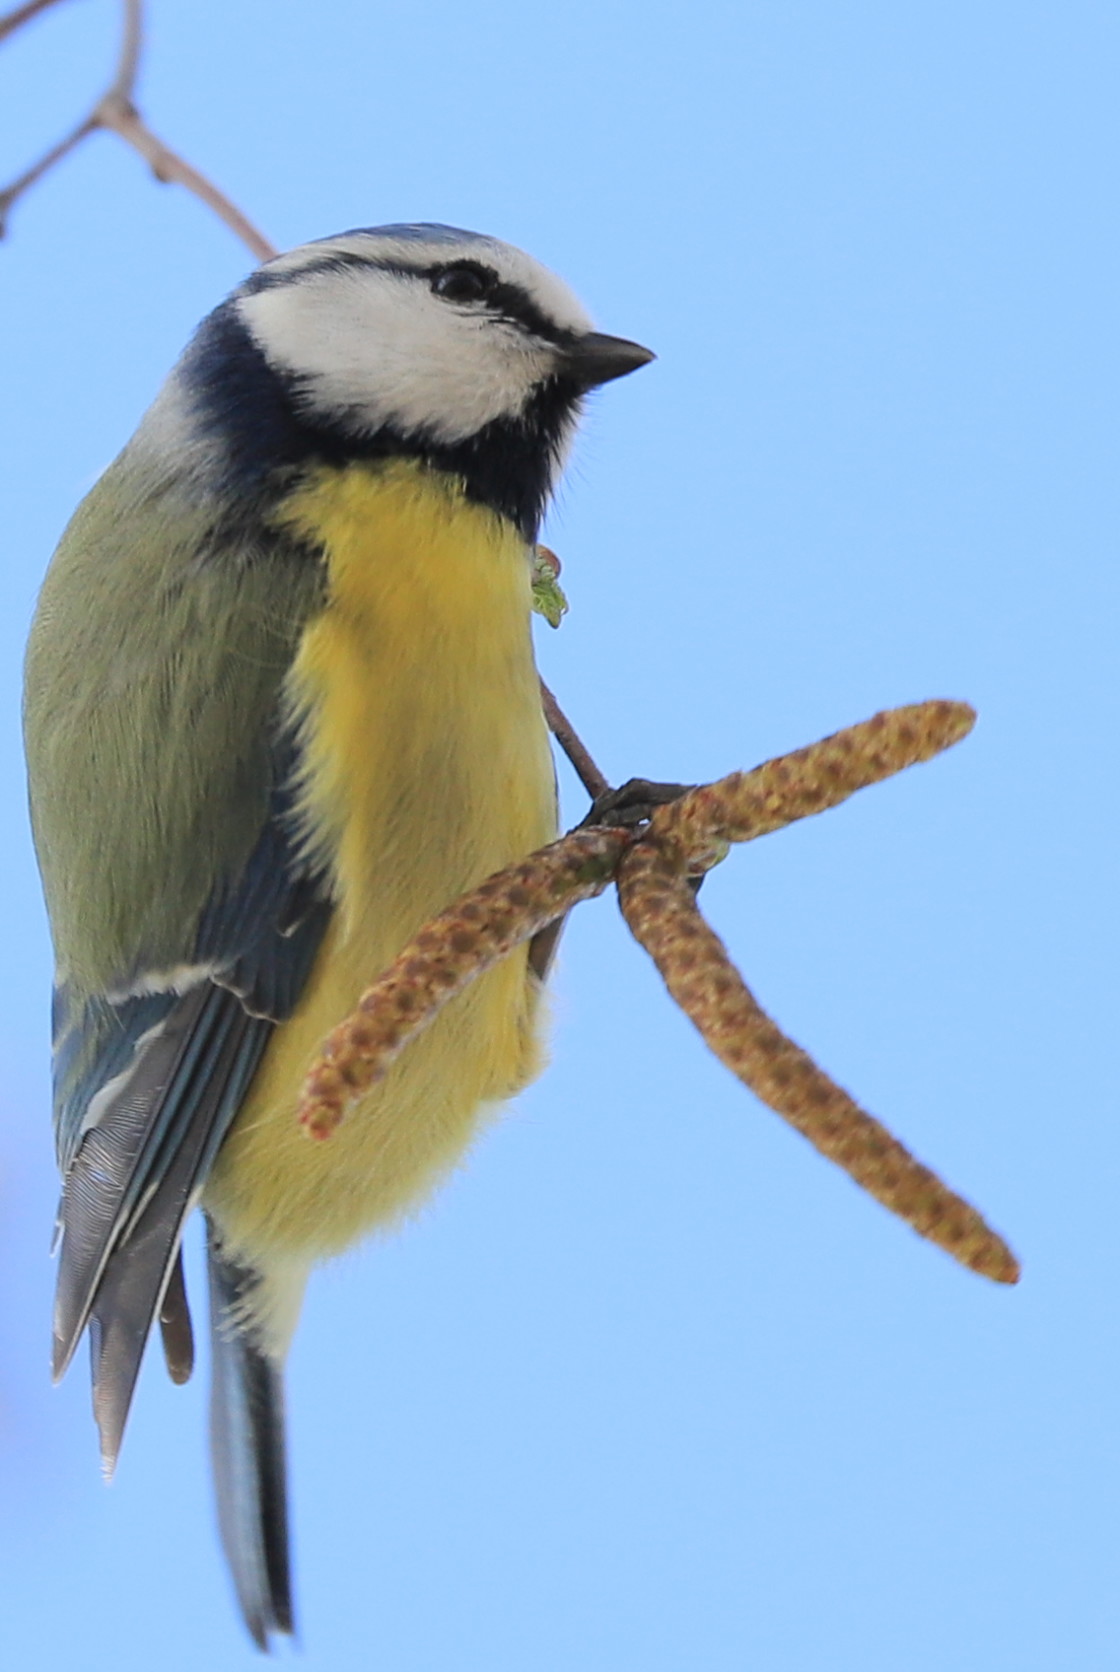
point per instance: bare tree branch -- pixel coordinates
(23, 14)
(121, 116)
(569, 740)
(31, 176)
(123, 83)
(116, 112)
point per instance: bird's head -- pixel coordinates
(419, 340)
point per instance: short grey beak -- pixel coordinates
(595, 359)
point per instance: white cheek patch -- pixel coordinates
(373, 347)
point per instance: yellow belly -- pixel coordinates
(428, 767)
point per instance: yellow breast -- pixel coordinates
(428, 767)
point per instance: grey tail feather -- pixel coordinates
(118, 1328)
(247, 1452)
(130, 1294)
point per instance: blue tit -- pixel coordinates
(281, 708)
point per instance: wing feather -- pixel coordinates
(147, 1086)
(226, 1046)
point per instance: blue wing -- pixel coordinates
(146, 1086)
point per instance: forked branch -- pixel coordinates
(115, 111)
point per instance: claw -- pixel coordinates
(633, 804)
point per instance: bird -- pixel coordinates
(281, 707)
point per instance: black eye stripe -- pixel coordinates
(502, 301)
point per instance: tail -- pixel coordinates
(247, 1450)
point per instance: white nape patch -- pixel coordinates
(371, 346)
(169, 437)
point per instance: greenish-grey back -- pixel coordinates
(154, 678)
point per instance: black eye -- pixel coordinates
(465, 282)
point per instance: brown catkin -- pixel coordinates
(748, 804)
(661, 910)
(450, 951)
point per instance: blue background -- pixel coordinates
(650, 1387)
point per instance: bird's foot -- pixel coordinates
(631, 806)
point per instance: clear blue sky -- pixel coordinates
(650, 1387)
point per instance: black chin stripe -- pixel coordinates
(252, 410)
(511, 463)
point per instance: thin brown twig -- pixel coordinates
(42, 166)
(569, 740)
(120, 115)
(121, 86)
(123, 83)
(116, 112)
(23, 14)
